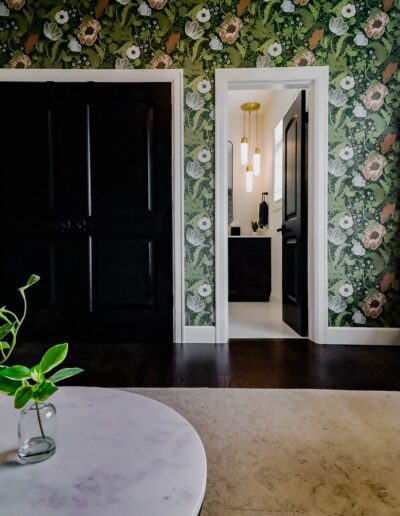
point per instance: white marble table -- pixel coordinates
(118, 454)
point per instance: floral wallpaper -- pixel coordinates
(357, 39)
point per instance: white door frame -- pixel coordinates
(316, 80)
(175, 77)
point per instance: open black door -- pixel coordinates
(294, 217)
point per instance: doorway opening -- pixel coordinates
(249, 316)
(256, 198)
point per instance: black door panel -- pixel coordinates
(89, 209)
(294, 218)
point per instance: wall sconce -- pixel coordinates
(245, 144)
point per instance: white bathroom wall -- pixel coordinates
(274, 105)
(280, 102)
(246, 204)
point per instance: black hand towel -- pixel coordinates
(263, 212)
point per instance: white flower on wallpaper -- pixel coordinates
(203, 15)
(347, 83)
(361, 40)
(338, 26)
(204, 156)
(336, 236)
(52, 31)
(133, 52)
(195, 304)
(275, 49)
(346, 222)
(216, 44)
(204, 223)
(336, 304)
(287, 6)
(358, 249)
(124, 2)
(346, 290)
(358, 317)
(123, 63)
(204, 86)
(144, 9)
(346, 153)
(358, 181)
(61, 17)
(194, 30)
(195, 237)
(337, 98)
(359, 111)
(74, 45)
(264, 62)
(336, 167)
(348, 11)
(194, 169)
(194, 100)
(4, 11)
(205, 290)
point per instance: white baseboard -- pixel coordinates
(364, 336)
(199, 334)
(352, 336)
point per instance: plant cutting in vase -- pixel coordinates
(254, 226)
(27, 384)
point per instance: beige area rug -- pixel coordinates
(290, 452)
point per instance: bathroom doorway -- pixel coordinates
(291, 282)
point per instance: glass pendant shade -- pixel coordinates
(257, 161)
(249, 178)
(244, 151)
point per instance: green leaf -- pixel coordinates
(67, 372)
(53, 356)
(43, 391)
(4, 345)
(5, 329)
(17, 372)
(22, 396)
(37, 374)
(9, 387)
(31, 281)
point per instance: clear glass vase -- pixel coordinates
(37, 427)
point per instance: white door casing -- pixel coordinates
(175, 77)
(316, 81)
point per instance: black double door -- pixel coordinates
(86, 204)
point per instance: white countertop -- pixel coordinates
(118, 453)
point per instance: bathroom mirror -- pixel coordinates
(230, 182)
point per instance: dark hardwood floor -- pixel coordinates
(240, 363)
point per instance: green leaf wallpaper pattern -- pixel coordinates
(357, 39)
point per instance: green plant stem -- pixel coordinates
(39, 419)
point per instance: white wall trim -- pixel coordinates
(364, 336)
(199, 334)
(316, 80)
(175, 77)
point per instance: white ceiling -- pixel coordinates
(239, 97)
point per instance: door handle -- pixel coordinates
(282, 229)
(64, 226)
(81, 225)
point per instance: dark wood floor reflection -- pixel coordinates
(241, 363)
